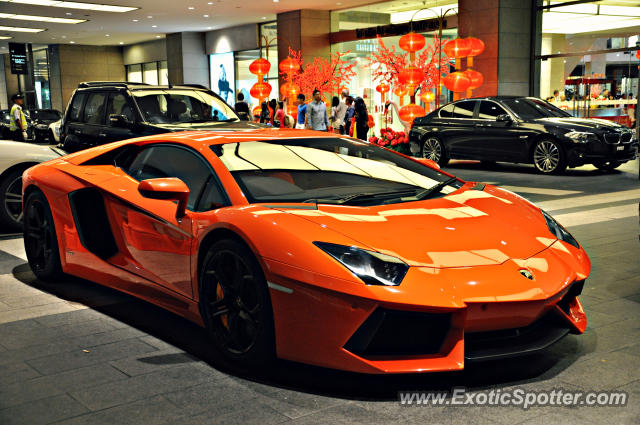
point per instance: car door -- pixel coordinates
(73, 127)
(461, 137)
(502, 140)
(154, 243)
(118, 104)
(93, 119)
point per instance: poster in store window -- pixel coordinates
(223, 76)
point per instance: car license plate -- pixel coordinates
(620, 148)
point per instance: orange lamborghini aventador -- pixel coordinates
(311, 247)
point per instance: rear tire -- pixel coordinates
(548, 157)
(432, 148)
(235, 304)
(11, 200)
(40, 238)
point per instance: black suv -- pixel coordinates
(103, 112)
(521, 130)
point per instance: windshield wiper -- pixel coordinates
(209, 120)
(434, 189)
(358, 197)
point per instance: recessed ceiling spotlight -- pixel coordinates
(276, 1)
(158, 36)
(149, 17)
(122, 42)
(205, 16)
(134, 20)
(154, 26)
(72, 42)
(107, 35)
(68, 13)
(190, 7)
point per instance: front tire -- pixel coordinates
(235, 304)
(548, 157)
(433, 149)
(40, 239)
(11, 200)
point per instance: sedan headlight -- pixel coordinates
(559, 231)
(579, 136)
(42, 127)
(373, 268)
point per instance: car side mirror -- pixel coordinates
(119, 121)
(505, 118)
(428, 162)
(166, 188)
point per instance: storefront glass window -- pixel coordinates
(583, 71)
(163, 73)
(150, 71)
(245, 79)
(41, 77)
(134, 73)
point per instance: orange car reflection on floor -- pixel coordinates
(312, 247)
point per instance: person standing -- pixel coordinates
(362, 120)
(278, 120)
(265, 115)
(242, 108)
(349, 114)
(302, 112)
(338, 112)
(317, 118)
(18, 124)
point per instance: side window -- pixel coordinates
(94, 109)
(76, 107)
(464, 109)
(490, 110)
(212, 196)
(118, 105)
(446, 111)
(172, 161)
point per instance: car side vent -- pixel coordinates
(90, 216)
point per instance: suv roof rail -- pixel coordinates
(108, 84)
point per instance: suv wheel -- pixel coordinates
(548, 157)
(433, 149)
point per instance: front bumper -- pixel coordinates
(492, 312)
(593, 152)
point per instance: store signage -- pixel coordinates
(18, 58)
(400, 29)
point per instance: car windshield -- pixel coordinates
(529, 109)
(44, 114)
(328, 170)
(170, 106)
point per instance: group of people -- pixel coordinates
(347, 115)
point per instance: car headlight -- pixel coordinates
(373, 268)
(559, 231)
(579, 136)
(42, 127)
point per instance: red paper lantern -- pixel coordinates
(457, 82)
(476, 45)
(260, 90)
(260, 66)
(410, 112)
(289, 66)
(290, 89)
(475, 77)
(638, 54)
(428, 97)
(411, 76)
(457, 48)
(412, 42)
(383, 88)
(400, 91)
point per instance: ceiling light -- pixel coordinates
(68, 13)
(72, 42)
(75, 5)
(134, 20)
(41, 18)
(5, 37)
(276, 1)
(205, 16)
(154, 26)
(190, 7)
(264, 17)
(37, 2)
(158, 36)
(21, 29)
(209, 28)
(122, 42)
(210, 3)
(107, 35)
(149, 17)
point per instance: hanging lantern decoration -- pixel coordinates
(428, 97)
(260, 90)
(476, 45)
(412, 42)
(411, 77)
(457, 48)
(474, 77)
(383, 89)
(260, 66)
(289, 66)
(400, 91)
(457, 82)
(290, 90)
(638, 54)
(410, 112)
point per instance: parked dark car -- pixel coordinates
(103, 112)
(5, 122)
(40, 121)
(521, 130)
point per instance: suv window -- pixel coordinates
(446, 111)
(118, 105)
(490, 110)
(464, 109)
(76, 107)
(173, 161)
(94, 109)
(181, 106)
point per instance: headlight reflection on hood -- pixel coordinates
(559, 231)
(373, 268)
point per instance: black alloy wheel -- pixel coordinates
(433, 149)
(11, 193)
(235, 304)
(607, 165)
(548, 157)
(40, 240)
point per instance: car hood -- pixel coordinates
(581, 123)
(465, 228)
(211, 125)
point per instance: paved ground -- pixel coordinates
(78, 353)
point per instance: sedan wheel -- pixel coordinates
(548, 157)
(433, 149)
(235, 303)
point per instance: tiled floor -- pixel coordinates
(74, 352)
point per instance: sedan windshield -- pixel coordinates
(329, 170)
(530, 109)
(171, 106)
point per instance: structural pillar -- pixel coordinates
(187, 59)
